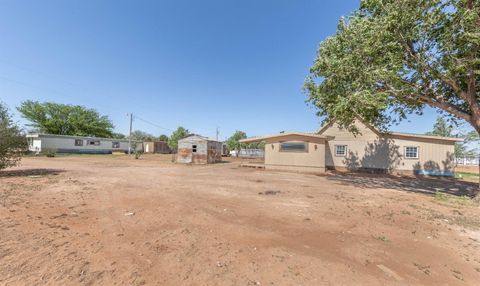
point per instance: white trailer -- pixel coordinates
(77, 144)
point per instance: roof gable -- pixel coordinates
(367, 130)
(333, 129)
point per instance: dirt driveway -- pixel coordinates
(107, 220)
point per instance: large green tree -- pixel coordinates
(12, 142)
(392, 57)
(65, 119)
(178, 134)
(233, 141)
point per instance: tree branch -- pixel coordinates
(432, 101)
(451, 83)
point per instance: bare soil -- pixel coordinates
(113, 220)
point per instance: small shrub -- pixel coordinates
(137, 154)
(50, 153)
(382, 238)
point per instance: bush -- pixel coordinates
(137, 154)
(13, 143)
(50, 153)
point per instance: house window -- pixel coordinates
(115, 144)
(340, 150)
(78, 142)
(93, 142)
(293, 147)
(194, 148)
(411, 152)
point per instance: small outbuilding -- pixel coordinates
(159, 147)
(196, 149)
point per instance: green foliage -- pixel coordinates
(118, 136)
(232, 142)
(64, 119)
(137, 154)
(390, 58)
(444, 129)
(163, 138)
(441, 128)
(12, 142)
(447, 198)
(176, 135)
(142, 136)
(49, 153)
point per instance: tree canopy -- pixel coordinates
(142, 136)
(444, 129)
(178, 134)
(390, 58)
(232, 142)
(64, 119)
(12, 142)
(118, 136)
(163, 138)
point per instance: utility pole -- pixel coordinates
(130, 135)
(217, 133)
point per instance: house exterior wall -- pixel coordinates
(374, 151)
(214, 151)
(66, 144)
(311, 161)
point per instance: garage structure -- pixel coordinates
(196, 149)
(304, 152)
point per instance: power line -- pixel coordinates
(151, 123)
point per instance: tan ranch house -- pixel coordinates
(335, 148)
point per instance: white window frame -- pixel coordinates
(409, 157)
(340, 155)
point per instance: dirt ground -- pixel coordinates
(113, 220)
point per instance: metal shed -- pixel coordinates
(196, 149)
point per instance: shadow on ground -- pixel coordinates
(30, 172)
(422, 185)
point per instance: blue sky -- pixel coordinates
(238, 65)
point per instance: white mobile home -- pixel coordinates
(77, 144)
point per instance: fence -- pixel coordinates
(251, 153)
(467, 161)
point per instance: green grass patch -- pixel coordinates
(447, 198)
(381, 238)
(466, 175)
